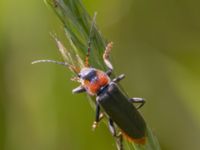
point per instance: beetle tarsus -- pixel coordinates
(120, 142)
(94, 125)
(79, 89)
(98, 117)
(109, 72)
(106, 55)
(118, 137)
(119, 78)
(137, 100)
(112, 127)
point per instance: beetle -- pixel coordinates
(117, 106)
(109, 97)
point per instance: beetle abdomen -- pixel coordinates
(123, 113)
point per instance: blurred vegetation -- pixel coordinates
(156, 46)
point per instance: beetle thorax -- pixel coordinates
(93, 80)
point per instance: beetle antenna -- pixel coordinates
(89, 41)
(71, 67)
(50, 61)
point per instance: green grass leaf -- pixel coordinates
(77, 23)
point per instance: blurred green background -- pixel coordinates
(157, 46)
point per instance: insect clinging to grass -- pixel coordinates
(110, 100)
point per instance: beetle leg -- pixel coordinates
(106, 55)
(109, 72)
(111, 127)
(119, 138)
(137, 100)
(98, 116)
(120, 141)
(119, 78)
(79, 89)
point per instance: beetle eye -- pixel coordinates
(89, 75)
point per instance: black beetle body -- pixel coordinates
(119, 108)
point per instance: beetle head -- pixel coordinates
(93, 80)
(87, 73)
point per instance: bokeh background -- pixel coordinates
(157, 46)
